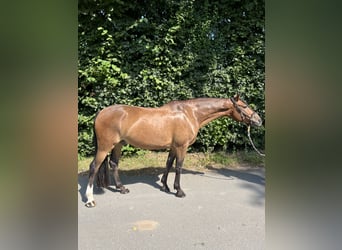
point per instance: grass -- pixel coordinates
(151, 162)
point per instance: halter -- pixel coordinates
(241, 112)
(243, 116)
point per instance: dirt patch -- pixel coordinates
(145, 225)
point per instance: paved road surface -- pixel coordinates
(223, 209)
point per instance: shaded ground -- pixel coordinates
(223, 209)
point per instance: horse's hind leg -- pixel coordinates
(93, 168)
(114, 163)
(169, 162)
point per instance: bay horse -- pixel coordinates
(173, 126)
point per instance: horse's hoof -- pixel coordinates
(124, 191)
(90, 204)
(165, 189)
(180, 194)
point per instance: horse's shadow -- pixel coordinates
(253, 180)
(245, 175)
(148, 175)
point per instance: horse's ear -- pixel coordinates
(236, 97)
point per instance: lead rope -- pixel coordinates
(250, 139)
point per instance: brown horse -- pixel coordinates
(173, 126)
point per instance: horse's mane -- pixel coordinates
(194, 100)
(199, 102)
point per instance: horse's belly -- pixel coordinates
(149, 142)
(157, 131)
(149, 138)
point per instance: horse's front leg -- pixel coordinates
(114, 163)
(169, 162)
(179, 164)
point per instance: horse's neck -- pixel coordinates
(211, 109)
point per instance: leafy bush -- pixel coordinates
(147, 53)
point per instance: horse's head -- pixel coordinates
(243, 113)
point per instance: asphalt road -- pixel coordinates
(223, 209)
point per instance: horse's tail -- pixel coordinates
(103, 173)
(94, 133)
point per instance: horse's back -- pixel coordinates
(110, 114)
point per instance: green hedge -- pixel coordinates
(148, 53)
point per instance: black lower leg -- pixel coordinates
(169, 162)
(165, 187)
(117, 180)
(91, 170)
(180, 193)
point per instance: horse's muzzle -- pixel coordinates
(257, 124)
(255, 120)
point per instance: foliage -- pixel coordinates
(148, 53)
